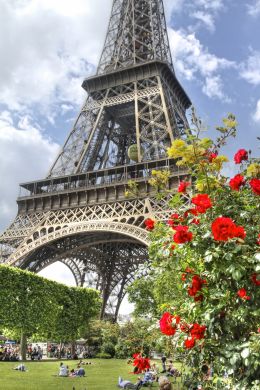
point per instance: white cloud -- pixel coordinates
(205, 12)
(213, 88)
(47, 49)
(25, 154)
(254, 8)
(214, 5)
(256, 114)
(192, 60)
(171, 6)
(206, 19)
(250, 69)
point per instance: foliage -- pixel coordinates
(31, 304)
(102, 336)
(135, 337)
(159, 180)
(141, 293)
(109, 348)
(132, 189)
(206, 267)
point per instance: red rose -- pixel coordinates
(212, 156)
(255, 279)
(184, 327)
(183, 277)
(195, 221)
(149, 224)
(255, 185)
(258, 241)
(237, 182)
(202, 202)
(191, 211)
(223, 228)
(189, 343)
(198, 298)
(239, 232)
(198, 331)
(242, 294)
(182, 235)
(197, 284)
(174, 218)
(183, 186)
(168, 323)
(240, 156)
(258, 330)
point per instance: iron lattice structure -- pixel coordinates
(79, 214)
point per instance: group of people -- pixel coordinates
(35, 353)
(150, 373)
(9, 353)
(63, 352)
(64, 370)
(169, 369)
(148, 379)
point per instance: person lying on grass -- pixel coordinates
(21, 367)
(124, 384)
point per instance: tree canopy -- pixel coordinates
(32, 304)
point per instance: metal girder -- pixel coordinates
(108, 262)
(137, 33)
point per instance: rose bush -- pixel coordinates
(205, 276)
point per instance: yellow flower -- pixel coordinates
(230, 122)
(202, 184)
(218, 162)
(177, 149)
(253, 170)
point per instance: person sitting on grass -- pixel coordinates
(80, 372)
(21, 367)
(172, 371)
(124, 384)
(164, 383)
(63, 370)
(148, 378)
(72, 373)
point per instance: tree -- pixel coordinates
(31, 304)
(135, 337)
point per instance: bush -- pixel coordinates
(103, 355)
(122, 351)
(108, 348)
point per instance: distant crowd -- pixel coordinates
(9, 353)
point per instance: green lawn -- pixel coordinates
(100, 375)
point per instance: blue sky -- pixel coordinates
(49, 46)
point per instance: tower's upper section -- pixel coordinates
(136, 34)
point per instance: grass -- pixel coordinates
(100, 375)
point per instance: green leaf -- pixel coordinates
(245, 353)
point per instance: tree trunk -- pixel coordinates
(23, 345)
(73, 348)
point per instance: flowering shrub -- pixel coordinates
(209, 260)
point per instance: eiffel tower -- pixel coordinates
(79, 214)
